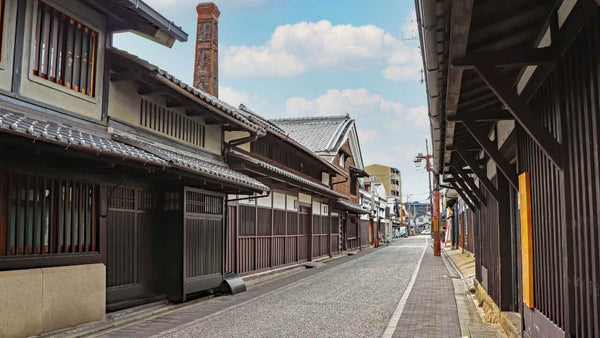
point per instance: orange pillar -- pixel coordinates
(436, 222)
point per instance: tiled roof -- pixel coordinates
(209, 169)
(306, 182)
(352, 207)
(221, 105)
(282, 134)
(17, 123)
(319, 134)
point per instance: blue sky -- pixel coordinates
(286, 58)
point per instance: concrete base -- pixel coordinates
(34, 301)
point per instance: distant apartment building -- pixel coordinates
(389, 177)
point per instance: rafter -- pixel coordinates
(492, 150)
(521, 112)
(508, 57)
(470, 161)
(482, 115)
(463, 196)
(461, 183)
(458, 171)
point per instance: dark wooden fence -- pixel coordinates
(566, 219)
(267, 238)
(364, 232)
(131, 229)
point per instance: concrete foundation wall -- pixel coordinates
(34, 301)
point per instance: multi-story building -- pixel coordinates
(335, 139)
(113, 178)
(388, 176)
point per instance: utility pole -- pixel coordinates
(434, 196)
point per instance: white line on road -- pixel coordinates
(391, 328)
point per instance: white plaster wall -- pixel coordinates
(233, 135)
(504, 129)
(264, 201)
(304, 198)
(325, 178)
(278, 200)
(124, 105)
(291, 199)
(247, 201)
(316, 208)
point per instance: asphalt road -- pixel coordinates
(354, 299)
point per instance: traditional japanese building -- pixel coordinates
(112, 180)
(514, 107)
(335, 139)
(297, 222)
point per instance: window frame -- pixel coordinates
(70, 13)
(43, 260)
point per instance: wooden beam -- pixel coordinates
(459, 171)
(460, 25)
(579, 16)
(470, 161)
(491, 149)
(463, 196)
(125, 76)
(508, 57)
(522, 114)
(482, 115)
(461, 183)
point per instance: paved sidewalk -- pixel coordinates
(431, 310)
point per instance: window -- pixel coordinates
(42, 215)
(64, 50)
(169, 122)
(342, 160)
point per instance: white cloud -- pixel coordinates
(295, 49)
(232, 96)
(358, 101)
(367, 135)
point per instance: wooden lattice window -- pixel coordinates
(64, 50)
(43, 215)
(166, 121)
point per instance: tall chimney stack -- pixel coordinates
(206, 65)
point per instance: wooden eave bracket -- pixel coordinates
(518, 107)
(472, 163)
(461, 183)
(492, 151)
(462, 195)
(458, 172)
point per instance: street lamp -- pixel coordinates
(434, 199)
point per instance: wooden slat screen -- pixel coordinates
(42, 215)
(65, 50)
(169, 122)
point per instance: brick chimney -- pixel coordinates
(206, 65)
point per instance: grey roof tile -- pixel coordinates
(316, 133)
(52, 132)
(306, 182)
(62, 134)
